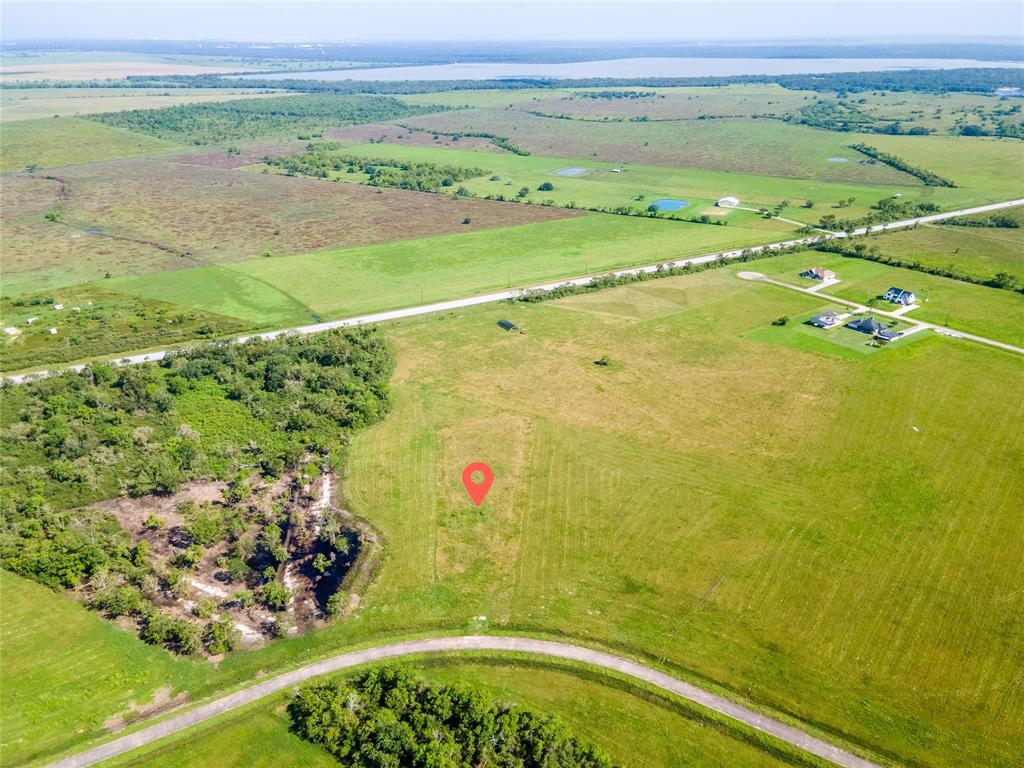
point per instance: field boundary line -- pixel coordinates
(786, 733)
(514, 293)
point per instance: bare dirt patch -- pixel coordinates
(162, 701)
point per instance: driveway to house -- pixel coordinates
(917, 325)
(489, 298)
(781, 731)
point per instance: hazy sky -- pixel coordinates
(341, 20)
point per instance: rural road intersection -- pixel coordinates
(488, 298)
(781, 731)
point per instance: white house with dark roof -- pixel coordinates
(900, 296)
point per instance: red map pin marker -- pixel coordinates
(477, 491)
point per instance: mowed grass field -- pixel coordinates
(827, 536)
(636, 732)
(610, 185)
(66, 671)
(992, 312)
(58, 141)
(340, 283)
(35, 103)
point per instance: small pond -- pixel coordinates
(570, 172)
(839, 159)
(670, 204)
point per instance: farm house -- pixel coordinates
(728, 202)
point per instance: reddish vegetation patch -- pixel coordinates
(247, 154)
(395, 134)
(147, 215)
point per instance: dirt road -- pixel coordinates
(632, 669)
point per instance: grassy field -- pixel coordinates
(34, 103)
(765, 516)
(992, 312)
(62, 141)
(996, 165)
(980, 252)
(610, 185)
(150, 216)
(66, 671)
(635, 732)
(758, 517)
(357, 280)
(763, 147)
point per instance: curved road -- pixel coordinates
(447, 306)
(668, 683)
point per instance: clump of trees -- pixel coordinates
(929, 178)
(76, 438)
(321, 160)
(216, 122)
(885, 210)
(387, 717)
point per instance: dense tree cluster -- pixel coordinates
(885, 210)
(929, 178)
(76, 438)
(612, 95)
(386, 717)
(213, 122)
(321, 160)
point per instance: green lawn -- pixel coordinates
(636, 732)
(66, 671)
(224, 291)
(61, 141)
(357, 280)
(992, 312)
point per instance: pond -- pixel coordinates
(839, 159)
(570, 171)
(670, 204)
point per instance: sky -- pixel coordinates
(483, 20)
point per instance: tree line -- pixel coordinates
(387, 717)
(215, 122)
(929, 178)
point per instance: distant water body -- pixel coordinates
(637, 68)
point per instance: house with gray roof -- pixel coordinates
(866, 324)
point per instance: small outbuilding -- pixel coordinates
(889, 334)
(58, 307)
(53, 331)
(866, 324)
(900, 296)
(728, 202)
(825, 320)
(31, 320)
(817, 273)
(507, 325)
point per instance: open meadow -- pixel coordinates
(53, 142)
(147, 216)
(34, 103)
(340, 283)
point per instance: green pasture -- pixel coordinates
(54, 142)
(760, 147)
(35, 103)
(992, 312)
(601, 186)
(358, 280)
(637, 731)
(224, 291)
(765, 516)
(979, 252)
(484, 97)
(66, 671)
(991, 166)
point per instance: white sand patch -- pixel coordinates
(211, 589)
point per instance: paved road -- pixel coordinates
(895, 315)
(632, 669)
(487, 298)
